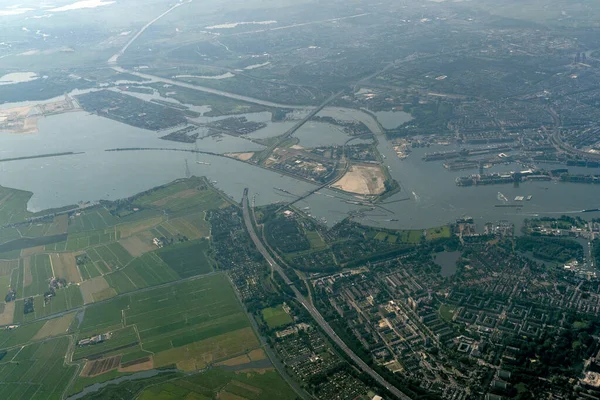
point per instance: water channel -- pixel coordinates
(428, 197)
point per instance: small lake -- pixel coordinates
(392, 119)
(447, 260)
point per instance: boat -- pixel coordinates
(502, 197)
(202, 163)
(529, 197)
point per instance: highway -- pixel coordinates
(311, 309)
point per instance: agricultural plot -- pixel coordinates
(192, 226)
(33, 230)
(182, 197)
(138, 244)
(59, 226)
(83, 240)
(132, 228)
(187, 259)
(18, 336)
(65, 267)
(13, 205)
(198, 355)
(221, 384)
(37, 274)
(16, 278)
(276, 317)
(8, 234)
(37, 372)
(7, 314)
(98, 367)
(112, 255)
(7, 266)
(87, 267)
(147, 270)
(124, 340)
(91, 220)
(190, 323)
(64, 300)
(95, 288)
(55, 327)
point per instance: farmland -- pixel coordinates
(36, 372)
(187, 259)
(221, 384)
(105, 254)
(185, 321)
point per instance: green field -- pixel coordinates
(41, 272)
(174, 316)
(276, 317)
(316, 241)
(13, 205)
(83, 240)
(218, 383)
(112, 255)
(20, 335)
(37, 372)
(65, 299)
(121, 340)
(187, 259)
(97, 218)
(147, 270)
(182, 198)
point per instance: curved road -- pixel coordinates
(311, 309)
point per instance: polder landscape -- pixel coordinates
(96, 272)
(277, 199)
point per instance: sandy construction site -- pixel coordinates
(24, 120)
(362, 179)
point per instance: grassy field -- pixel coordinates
(55, 327)
(122, 340)
(447, 312)
(37, 274)
(13, 205)
(187, 259)
(37, 372)
(220, 384)
(190, 323)
(65, 299)
(97, 218)
(276, 317)
(182, 198)
(147, 270)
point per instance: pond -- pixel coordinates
(447, 260)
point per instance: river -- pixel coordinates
(429, 195)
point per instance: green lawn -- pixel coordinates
(447, 312)
(276, 317)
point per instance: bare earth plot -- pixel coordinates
(362, 179)
(65, 266)
(198, 355)
(55, 327)
(90, 289)
(136, 246)
(6, 317)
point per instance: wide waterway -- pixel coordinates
(429, 195)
